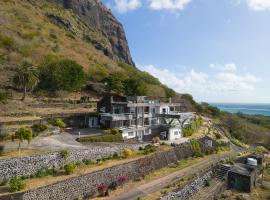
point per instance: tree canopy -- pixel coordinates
(61, 74)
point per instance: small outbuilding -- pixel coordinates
(242, 177)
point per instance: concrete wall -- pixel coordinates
(30, 165)
(85, 185)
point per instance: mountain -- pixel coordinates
(96, 16)
(84, 31)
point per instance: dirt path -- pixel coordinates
(156, 185)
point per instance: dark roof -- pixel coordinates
(242, 169)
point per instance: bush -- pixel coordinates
(260, 150)
(115, 155)
(61, 74)
(148, 149)
(69, 168)
(60, 123)
(89, 162)
(16, 184)
(196, 146)
(4, 182)
(64, 153)
(45, 172)
(115, 131)
(127, 153)
(4, 96)
(2, 149)
(102, 138)
(6, 42)
(38, 128)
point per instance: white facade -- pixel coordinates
(175, 133)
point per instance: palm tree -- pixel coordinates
(26, 78)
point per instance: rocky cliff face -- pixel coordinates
(95, 15)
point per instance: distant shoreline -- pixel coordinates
(246, 108)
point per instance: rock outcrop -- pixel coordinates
(95, 15)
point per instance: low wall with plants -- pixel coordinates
(87, 185)
(26, 166)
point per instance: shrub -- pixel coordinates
(260, 150)
(147, 149)
(115, 131)
(2, 149)
(4, 182)
(38, 128)
(115, 155)
(196, 146)
(16, 184)
(60, 123)
(102, 138)
(100, 162)
(122, 179)
(69, 168)
(207, 183)
(127, 153)
(4, 96)
(61, 74)
(64, 153)
(6, 42)
(89, 162)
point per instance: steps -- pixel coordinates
(222, 171)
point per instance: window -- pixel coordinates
(132, 110)
(163, 110)
(175, 132)
(117, 110)
(130, 134)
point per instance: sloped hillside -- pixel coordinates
(84, 31)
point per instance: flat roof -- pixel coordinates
(242, 169)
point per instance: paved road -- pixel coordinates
(156, 185)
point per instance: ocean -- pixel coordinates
(251, 109)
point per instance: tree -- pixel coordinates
(26, 78)
(169, 92)
(115, 82)
(23, 134)
(61, 74)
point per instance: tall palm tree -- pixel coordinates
(26, 78)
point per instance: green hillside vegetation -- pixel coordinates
(27, 33)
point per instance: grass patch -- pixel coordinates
(6, 42)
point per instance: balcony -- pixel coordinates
(116, 117)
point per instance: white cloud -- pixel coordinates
(259, 4)
(168, 4)
(123, 6)
(199, 82)
(226, 67)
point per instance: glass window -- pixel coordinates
(130, 134)
(175, 132)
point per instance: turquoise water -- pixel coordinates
(251, 109)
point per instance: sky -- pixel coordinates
(216, 50)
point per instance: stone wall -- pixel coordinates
(190, 189)
(26, 166)
(85, 185)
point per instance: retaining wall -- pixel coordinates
(85, 185)
(190, 189)
(26, 166)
